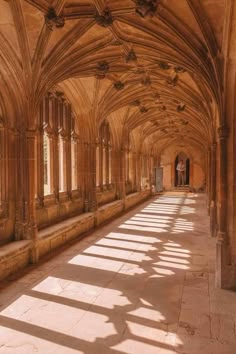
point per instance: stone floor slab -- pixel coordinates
(142, 284)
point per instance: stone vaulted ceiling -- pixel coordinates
(149, 67)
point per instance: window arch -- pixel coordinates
(58, 147)
(104, 157)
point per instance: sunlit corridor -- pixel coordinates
(142, 284)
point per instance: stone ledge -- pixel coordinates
(108, 211)
(56, 235)
(14, 256)
(135, 198)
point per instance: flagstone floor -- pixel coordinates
(142, 284)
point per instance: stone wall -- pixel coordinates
(17, 255)
(197, 167)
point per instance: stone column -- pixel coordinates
(68, 128)
(86, 176)
(222, 251)
(212, 191)
(208, 180)
(93, 205)
(119, 177)
(122, 173)
(107, 164)
(30, 231)
(138, 170)
(134, 170)
(19, 152)
(40, 168)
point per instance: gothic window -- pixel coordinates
(74, 164)
(57, 164)
(46, 164)
(104, 157)
(74, 146)
(62, 164)
(98, 165)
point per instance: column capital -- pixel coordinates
(223, 131)
(213, 146)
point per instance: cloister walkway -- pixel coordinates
(142, 284)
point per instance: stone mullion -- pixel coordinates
(40, 168)
(93, 189)
(68, 166)
(138, 170)
(80, 159)
(55, 151)
(68, 150)
(222, 254)
(19, 185)
(110, 166)
(101, 166)
(127, 165)
(122, 173)
(208, 180)
(86, 176)
(107, 164)
(117, 173)
(40, 157)
(150, 171)
(213, 191)
(29, 197)
(134, 170)
(115, 176)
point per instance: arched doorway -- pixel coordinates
(186, 161)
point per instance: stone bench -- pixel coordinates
(16, 255)
(56, 235)
(135, 198)
(108, 211)
(13, 257)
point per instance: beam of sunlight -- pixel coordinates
(44, 313)
(143, 223)
(131, 237)
(187, 210)
(158, 217)
(189, 201)
(180, 250)
(100, 263)
(152, 220)
(141, 228)
(74, 290)
(172, 265)
(116, 253)
(163, 271)
(145, 302)
(168, 202)
(169, 253)
(172, 244)
(132, 346)
(162, 207)
(155, 212)
(97, 263)
(123, 244)
(148, 313)
(156, 334)
(28, 343)
(182, 229)
(149, 210)
(175, 260)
